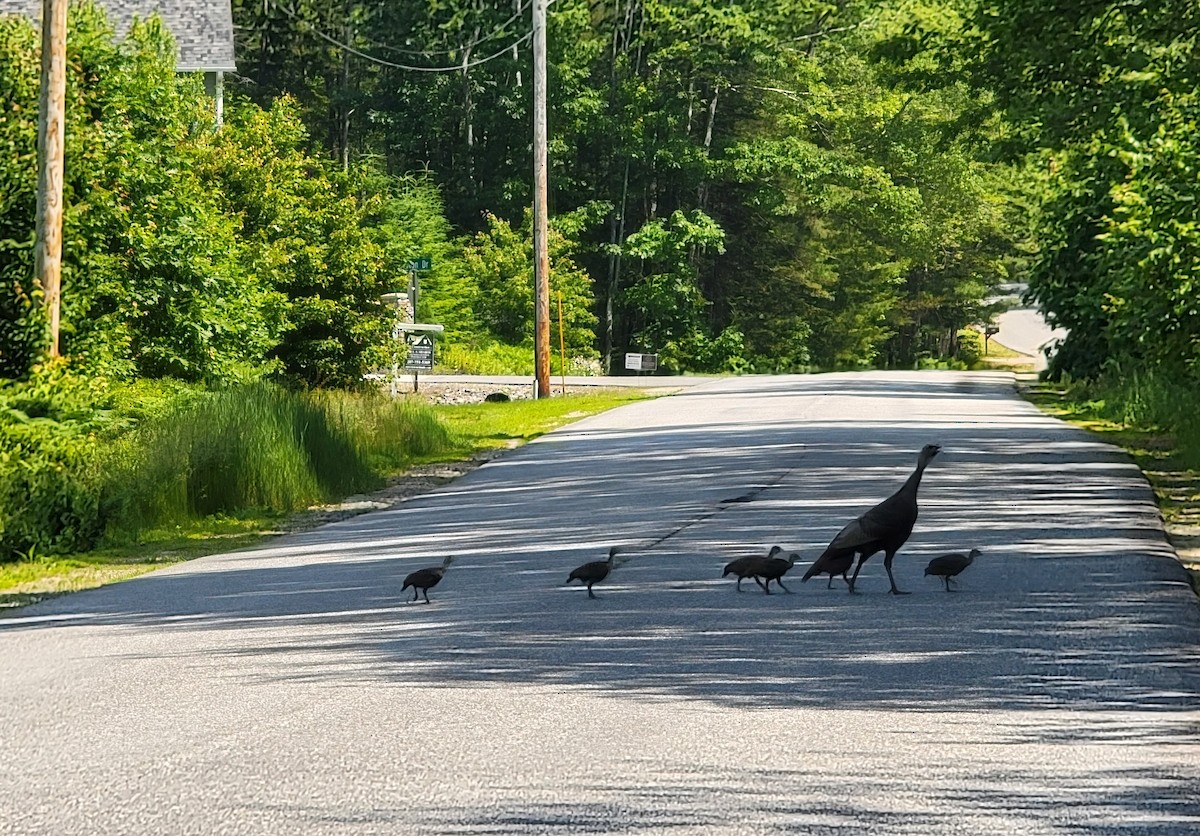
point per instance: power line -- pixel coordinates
(408, 67)
(502, 29)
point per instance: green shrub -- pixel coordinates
(81, 458)
(1148, 399)
(927, 363)
(49, 490)
(49, 474)
(970, 346)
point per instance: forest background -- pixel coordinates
(735, 187)
(752, 186)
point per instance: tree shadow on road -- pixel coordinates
(1077, 600)
(1076, 606)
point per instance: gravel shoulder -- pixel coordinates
(400, 488)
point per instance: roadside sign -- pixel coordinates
(641, 362)
(420, 354)
(421, 264)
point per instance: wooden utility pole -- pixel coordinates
(541, 224)
(47, 256)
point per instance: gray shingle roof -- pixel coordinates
(203, 29)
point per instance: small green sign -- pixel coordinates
(421, 264)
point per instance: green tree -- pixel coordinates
(500, 260)
(669, 314)
(841, 154)
(152, 277)
(330, 243)
(1105, 95)
(21, 323)
(193, 252)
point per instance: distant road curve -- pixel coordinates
(1024, 329)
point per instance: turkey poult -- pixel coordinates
(948, 565)
(742, 567)
(770, 568)
(595, 571)
(423, 580)
(839, 564)
(884, 528)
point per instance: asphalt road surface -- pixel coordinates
(292, 690)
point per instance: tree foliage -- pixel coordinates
(500, 263)
(859, 223)
(193, 252)
(152, 283)
(1106, 97)
(744, 186)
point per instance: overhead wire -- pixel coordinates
(429, 53)
(413, 68)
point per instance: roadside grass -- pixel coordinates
(36, 578)
(1000, 357)
(483, 426)
(256, 446)
(1170, 464)
(462, 431)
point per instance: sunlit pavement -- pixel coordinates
(293, 690)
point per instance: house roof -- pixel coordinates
(203, 29)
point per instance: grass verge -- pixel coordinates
(483, 426)
(1168, 466)
(474, 429)
(1002, 358)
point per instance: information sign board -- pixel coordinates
(420, 354)
(641, 362)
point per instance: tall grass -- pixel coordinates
(387, 433)
(261, 448)
(1148, 399)
(491, 358)
(500, 359)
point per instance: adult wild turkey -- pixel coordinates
(948, 565)
(595, 571)
(424, 580)
(884, 528)
(742, 567)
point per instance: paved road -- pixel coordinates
(630, 381)
(1024, 329)
(291, 689)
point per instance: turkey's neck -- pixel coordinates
(914, 480)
